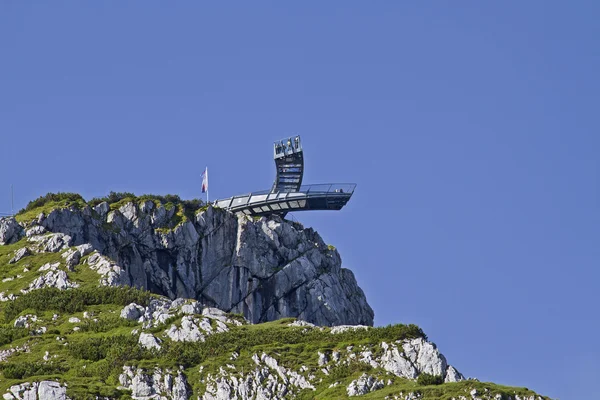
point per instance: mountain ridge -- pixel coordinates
(265, 268)
(79, 321)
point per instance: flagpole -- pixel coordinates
(206, 185)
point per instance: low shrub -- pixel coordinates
(104, 324)
(25, 369)
(113, 197)
(111, 348)
(74, 300)
(342, 371)
(245, 337)
(426, 379)
(53, 197)
(9, 333)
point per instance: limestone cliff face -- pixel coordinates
(266, 269)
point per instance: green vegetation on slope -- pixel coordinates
(87, 351)
(45, 204)
(74, 300)
(89, 354)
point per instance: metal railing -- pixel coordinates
(316, 188)
(287, 146)
(329, 190)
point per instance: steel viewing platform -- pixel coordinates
(288, 193)
(308, 197)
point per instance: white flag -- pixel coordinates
(205, 181)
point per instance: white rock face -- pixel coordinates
(102, 209)
(51, 243)
(148, 341)
(196, 329)
(363, 385)
(452, 375)
(301, 323)
(5, 354)
(189, 330)
(406, 358)
(72, 256)
(323, 359)
(35, 230)
(267, 269)
(10, 231)
(192, 308)
(132, 312)
(20, 254)
(155, 384)
(110, 273)
(345, 328)
(44, 390)
(159, 310)
(53, 278)
(25, 321)
(268, 380)
(424, 356)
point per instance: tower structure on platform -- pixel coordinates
(289, 162)
(287, 193)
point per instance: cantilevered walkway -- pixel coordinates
(288, 193)
(308, 197)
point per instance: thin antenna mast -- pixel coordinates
(12, 200)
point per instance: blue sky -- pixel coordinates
(470, 128)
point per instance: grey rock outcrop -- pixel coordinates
(265, 269)
(363, 385)
(73, 256)
(409, 358)
(452, 375)
(24, 321)
(50, 243)
(19, 254)
(268, 380)
(192, 329)
(404, 358)
(44, 390)
(132, 312)
(53, 278)
(148, 341)
(155, 384)
(189, 330)
(10, 231)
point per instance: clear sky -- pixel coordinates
(471, 129)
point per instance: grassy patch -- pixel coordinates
(51, 201)
(73, 300)
(270, 336)
(15, 277)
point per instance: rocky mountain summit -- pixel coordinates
(145, 298)
(265, 268)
